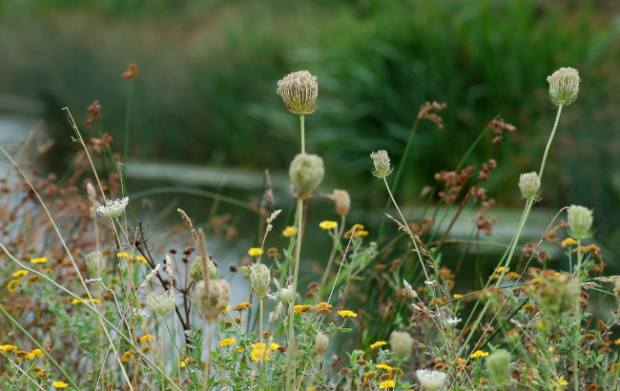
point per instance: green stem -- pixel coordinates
(555, 125)
(261, 377)
(126, 146)
(577, 317)
(303, 136)
(332, 255)
(291, 328)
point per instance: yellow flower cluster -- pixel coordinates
(254, 251)
(130, 257)
(387, 384)
(328, 224)
(347, 314)
(478, 354)
(227, 342)
(289, 231)
(38, 260)
(259, 349)
(377, 344)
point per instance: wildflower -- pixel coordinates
(299, 91)
(301, 309)
(429, 282)
(323, 305)
(258, 350)
(356, 228)
(131, 72)
(347, 314)
(95, 265)
(579, 222)
(320, 343)
(77, 301)
(127, 356)
(385, 367)
(113, 208)
(38, 260)
(478, 354)
(568, 242)
(227, 342)
(8, 348)
(60, 384)
(401, 343)
(396, 372)
(37, 352)
(196, 273)
(255, 251)
(370, 375)
(560, 383)
(284, 295)
(457, 296)
(306, 174)
(342, 200)
(259, 279)
(382, 164)
(274, 346)
(498, 365)
(616, 342)
(146, 338)
(387, 384)
(13, 285)
(20, 273)
(563, 86)
(501, 269)
(328, 224)
(289, 231)
(214, 300)
(377, 344)
(529, 184)
(243, 306)
(161, 303)
(430, 380)
(453, 320)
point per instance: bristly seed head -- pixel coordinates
(579, 222)
(212, 300)
(306, 173)
(382, 164)
(259, 279)
(95, 265)
(564, 86)
(161, 303)
(299, 91)
(529, 184)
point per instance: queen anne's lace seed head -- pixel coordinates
(196, 273)
(563, 86)
(259, 279)
(382, 164)
(284, 295)
(431, 380)
(306, 173)
(579, 222)
(95, 265)
(498, 366)
(401, 344)
(212, 300)
(321, 341)
(161, 303)
(113, 208)
(529, 184)
(299, 91)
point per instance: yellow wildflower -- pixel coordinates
(259, 349)
(323, 305)
(387, 384)
(38, 260)
(361, 233)
(146, 339)
(20, 273)
(274, 346)
(242, 306)
(356, 228)
(478, 354)
(328, 224)
(616, 342)
(8, 348)
(370, 375)
(254, 251)
(289, 231)
(37, 352)
(227, 308)
(385, 367)
(560, 383)
(76, 301)
(60, 384)
(141, 259)
(457, 296)
(300, 309)
(568, 242)
(347, 314)
(227, 342)
(311, 388)
(377, 344)
(30, 356)
(12, 285)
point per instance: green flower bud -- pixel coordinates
(306, 173)
(95, 265)
(212, 301)
(196, 273)
(579, 222)
(161, 303)
(529, 184)
(382, 164)
(245, 271)
(563, 86)
(259, 279)
(401, 343)
(498, 366)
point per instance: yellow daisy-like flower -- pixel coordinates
(259, 349)
(328, 224)
(387, 384)
(356, 228)
(242, 306)
(457, 296)
(227, 342)
(560, 383)
(323, 305)
(311, 388)
(20, 273)
(146, 339)
(385, 367)
(13, 285)
(254, 251)
(289, 231)
(38, 260)
(301, 309)
(347, 314)
(478, 354)
(568, 242)
(377, 344)
(8, 348)
(37, 352)
(30, 356)
(141, 259)
(76, 301)
(617, 342)
(60, 384)
(274, 346)
(124, 255)
(370, 375)
(501, 269)
(361, 234)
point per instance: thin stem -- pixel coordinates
(207, 369)
(577, 317)
(291, 328)
(555, 125)
(261, 377)
(333, 253)
(303, 136)
(126, 146)
(163, 356)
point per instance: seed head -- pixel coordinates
(342, 200)
(529, 184)
(564, 86)
(197, 274)
(431, 380)
(283, 295)
(259, 279)
(498, 366)
(401, 343)
(299, 91)
(113, 208)
(212, 301)
(320, 343)
(306, 173)
(382, 164)
(161, 303)
(95, 265)
(579, 222)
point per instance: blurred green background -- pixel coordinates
(205, 93)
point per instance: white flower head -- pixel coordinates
(283, 295)
(429, 282)
(161, 303)
(113, 208)
(431, 380)
(453, 320)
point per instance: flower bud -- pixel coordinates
(196, 273)
(95, 265)
(529, 185)
(579, 222)
(563, 86)
(299, 91)
(161, 303)
(382, 164)
(245, 272)
(498, 366)
(306, 173)
(212, 300)
(320, 343)
(401, 343)
(259, 279)
(342, 200)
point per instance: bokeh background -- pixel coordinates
(205, 92)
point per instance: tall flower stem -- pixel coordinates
(333, 253)
(577, 317)
(127, 117)
(261, 375)
(303, 136)
(291, 328)
(207, 369)
(555, 125)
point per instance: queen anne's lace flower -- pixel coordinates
(161, 303)
(431, 380)
(113, 208)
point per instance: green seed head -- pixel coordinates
(529, 185)
(306, 173)
(259, 279)
(564, 86)
(498, 366)
(579, 222)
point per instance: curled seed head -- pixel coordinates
(299, 91)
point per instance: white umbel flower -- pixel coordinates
(161, 303)
(431, 380)
(113, 208)
(453, 321)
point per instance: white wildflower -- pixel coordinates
(431, 380)
(113, 208)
